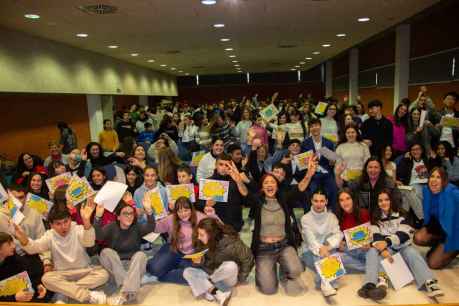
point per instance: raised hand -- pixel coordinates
(233, 172)
(41, 291)
(86, 211)
(209, 210)
(147, 205)
(312, 166)
(100, 210)
(23, 296)
(20, 235)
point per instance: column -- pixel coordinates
(143, 100)
(95, 115)
(329, 79)
(353, 75)
(402, 63)
(108, 107)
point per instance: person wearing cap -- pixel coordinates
(377, 130)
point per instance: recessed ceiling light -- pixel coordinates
(134, 54)
(237, 65)
(292, 69)
(219, 25)
(151, 61)
(187, 73)
(308, 58)
(32, 16)
(326, 45)
(180, 71)
(235, 61)
(82, 35)
(316, 52)
(363, 19)
(224, 39)
(341, 35)
(173, 68)
(302, 63)
(297, 66)
(112, 46)
(163, 65)
(208, 2)
(229, 49)
(232, 56)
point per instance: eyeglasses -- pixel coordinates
(127, 214)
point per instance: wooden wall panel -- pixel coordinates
(386, 95)
(435, 92)
(29, 121)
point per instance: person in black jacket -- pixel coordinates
(377, 130)
(12, 264)
(276, 235)
(231, 211)
(413, 170)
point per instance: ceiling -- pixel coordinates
(179, 33)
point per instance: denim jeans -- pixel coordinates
(269, 255)
(224, 278)
(168, 265)
(353, 260)
(413, 259)
(127, 273)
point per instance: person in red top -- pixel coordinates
(350, 215)
(27, 164)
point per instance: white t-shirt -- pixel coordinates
(419, 173)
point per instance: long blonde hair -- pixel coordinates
(167, 164)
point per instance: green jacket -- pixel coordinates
(230, 248)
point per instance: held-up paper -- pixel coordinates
(110, 195)
(151, 237)
(423, 118)
(328, 154)
(398, 272)
(3, 194)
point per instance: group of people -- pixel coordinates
(398, 174)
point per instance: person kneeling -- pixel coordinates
(227, 261)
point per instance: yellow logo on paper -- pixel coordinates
(13, 286)
(180, 191)
(213, 189)
(330, 267)
(38, 205)
(156, 203)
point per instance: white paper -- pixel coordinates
(16, 202)
(328, 154)
(3, 194)
(405, 187)
(17, 217)
(110, 195)
(151, 237)
(398, 272)
(423, 118)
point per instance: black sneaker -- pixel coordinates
(377, 293)
(363, 292)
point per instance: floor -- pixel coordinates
(247, 295)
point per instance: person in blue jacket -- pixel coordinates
(325, 176)
(441, 216)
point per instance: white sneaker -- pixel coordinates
(209, 297)
(223, 298)
(433, 290)
(97, 297)
(382, 282)
(327, 289)
(117, 299)
(59, 298)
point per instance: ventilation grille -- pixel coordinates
(98, 9)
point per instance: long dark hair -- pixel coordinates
(347, 127)
(449, 151)
(104, 173)
(21, 167)
(215, 231)
(401, 120)
(138, 172)
(376, 214)
(43, 190)
(121, 205)
(183, 203)
(355, 206)
(382, 176)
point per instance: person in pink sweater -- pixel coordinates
(258, 131)
(399, 123)
(181, 227)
